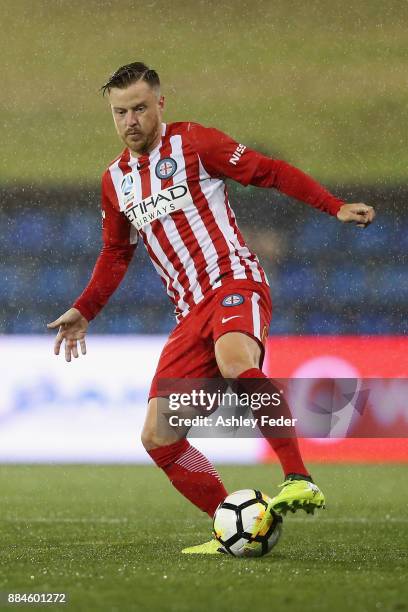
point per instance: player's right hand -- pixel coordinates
(72, 327)
(359, 213)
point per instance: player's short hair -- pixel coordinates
(131, 73)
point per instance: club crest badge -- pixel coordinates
(165, 168)
(127, 185)
(234, 299)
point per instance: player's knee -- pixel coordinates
(232, 369)
(149, 439)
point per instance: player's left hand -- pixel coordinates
(361, 214)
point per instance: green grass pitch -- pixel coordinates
(110, 537)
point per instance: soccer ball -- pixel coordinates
(242, 525)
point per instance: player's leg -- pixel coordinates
(189, 471)
(238, 357)
(240, 323)
(188, 354)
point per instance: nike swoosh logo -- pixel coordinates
(225, 319)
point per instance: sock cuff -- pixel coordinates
(164, 455)
(296, 476)
(252, 373)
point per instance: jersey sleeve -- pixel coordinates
(224, 157)
(221, 155)
(119, 243)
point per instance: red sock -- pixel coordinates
(287, 449)
(191, 473)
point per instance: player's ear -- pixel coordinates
(161, 102)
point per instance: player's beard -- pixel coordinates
(141, 143)
(137, 143)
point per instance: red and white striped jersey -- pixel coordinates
(178, 204)
(175, 200)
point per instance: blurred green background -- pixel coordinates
(322, 84)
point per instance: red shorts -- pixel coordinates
(239, 305)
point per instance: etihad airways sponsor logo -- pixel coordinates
(158, 205)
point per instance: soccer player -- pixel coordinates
(167, 189)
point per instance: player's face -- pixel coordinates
(137, 113)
